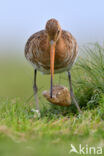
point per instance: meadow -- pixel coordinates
(22, 132)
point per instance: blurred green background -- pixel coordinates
(16, 77)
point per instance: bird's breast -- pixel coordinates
(62, 54)
(38, 53)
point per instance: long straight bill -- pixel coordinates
(52, 57)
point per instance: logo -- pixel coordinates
(85, 149)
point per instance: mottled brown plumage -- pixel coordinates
(37, 49)
(50, 51)
(61, 96)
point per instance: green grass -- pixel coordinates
(23, 133)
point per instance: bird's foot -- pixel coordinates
(36, 113)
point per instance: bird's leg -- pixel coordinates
(35, 91)
(72, 94)
(51, 86)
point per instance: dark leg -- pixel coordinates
(72, 94)
(35, 90)
(51, 87)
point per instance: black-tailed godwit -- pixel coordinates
(50, 51)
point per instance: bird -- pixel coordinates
(50, 51)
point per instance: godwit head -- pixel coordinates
(53, 30)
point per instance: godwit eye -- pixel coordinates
(58, 32)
